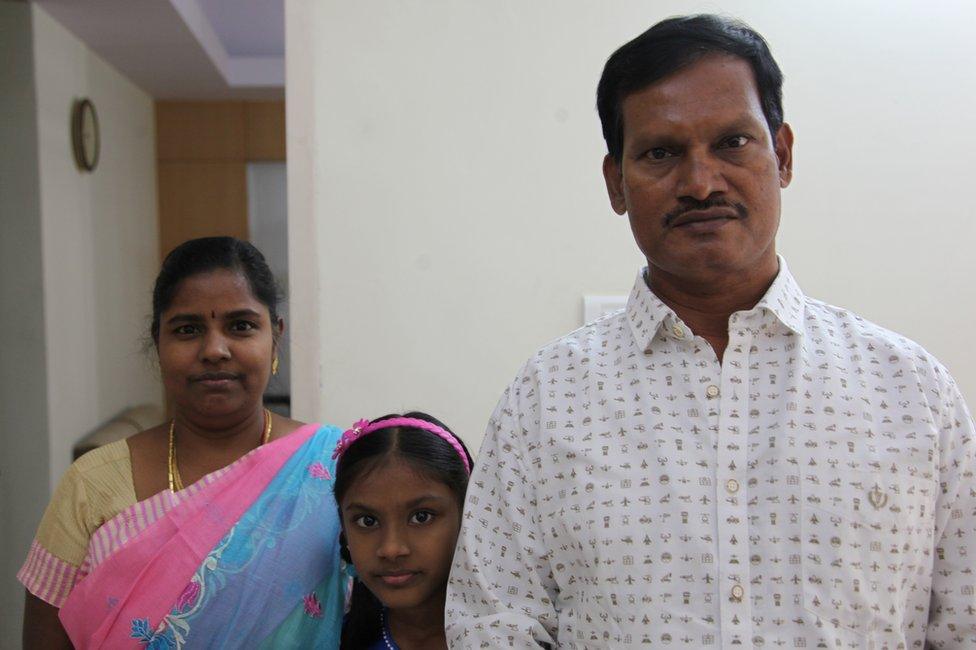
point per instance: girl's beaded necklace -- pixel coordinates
(387, 635)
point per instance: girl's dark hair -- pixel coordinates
(209, 254)
(430, 455)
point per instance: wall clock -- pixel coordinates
(84, 134)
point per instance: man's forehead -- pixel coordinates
(717, 86)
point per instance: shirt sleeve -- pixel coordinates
(501, 593)
(952, 612)
(53, 564)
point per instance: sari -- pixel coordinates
(246, 557)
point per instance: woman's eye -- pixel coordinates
(421, 517)
(243, 326)
(186, 330)
(366, 521)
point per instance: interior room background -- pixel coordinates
(446, 214)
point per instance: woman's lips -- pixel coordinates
(215, 379)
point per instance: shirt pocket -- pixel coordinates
(867, 543)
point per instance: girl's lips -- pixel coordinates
(398, 579)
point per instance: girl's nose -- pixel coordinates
(393, 545)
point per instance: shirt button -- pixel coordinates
(738, 592)
(712, 391)
(732, 486)
(679, 332)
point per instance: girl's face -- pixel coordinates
(401, 528)
(216, 342)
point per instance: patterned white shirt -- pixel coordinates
(815, 489)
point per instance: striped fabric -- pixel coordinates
(51, 578)
(115, 533)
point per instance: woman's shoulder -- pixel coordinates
(111, 458)
(104, 477)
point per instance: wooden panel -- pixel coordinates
(200, 130)
(200, 199)
(265, 130)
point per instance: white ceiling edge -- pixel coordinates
(255, 71)
(150, 43)
(237, 71)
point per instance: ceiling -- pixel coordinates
(185, 49)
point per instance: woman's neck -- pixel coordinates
(202, 447)
(420, 627)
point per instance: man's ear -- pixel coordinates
(613, 175)
(784, 154)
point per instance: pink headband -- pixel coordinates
(364, 427)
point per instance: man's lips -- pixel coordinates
(397, 578)
(699, 216)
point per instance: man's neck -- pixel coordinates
(705, 304)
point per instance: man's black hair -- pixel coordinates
(673, 44)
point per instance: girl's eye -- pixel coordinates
(421, 517)
(366, 521)
(186, 330)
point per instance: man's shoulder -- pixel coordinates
(830, 325)
(598, 336)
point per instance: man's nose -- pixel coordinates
(700, 176)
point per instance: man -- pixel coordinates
(728, 462)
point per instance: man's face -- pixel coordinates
(700, 175)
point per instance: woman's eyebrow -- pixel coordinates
(184, 318)
(241, 313)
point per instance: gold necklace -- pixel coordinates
(173, 471)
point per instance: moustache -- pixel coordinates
(689, 205)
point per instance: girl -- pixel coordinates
(400, 483)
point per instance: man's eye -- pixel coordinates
(735, 142)
(421, 517)
(366, 521)
(659, 153)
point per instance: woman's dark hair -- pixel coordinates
(209, 254)
(431, 456)
(673, 44)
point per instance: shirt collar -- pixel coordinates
(646, 313)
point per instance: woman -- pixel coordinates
(214, 528)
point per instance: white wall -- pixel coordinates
(24, 485)
(447, 211)
(99, 240)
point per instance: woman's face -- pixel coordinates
(216, 342)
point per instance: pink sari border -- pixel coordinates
(158, 563)
(51, 579)
(115, 533)
(48, 577)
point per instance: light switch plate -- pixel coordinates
(596, 306)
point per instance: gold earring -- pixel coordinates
(274, 365)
